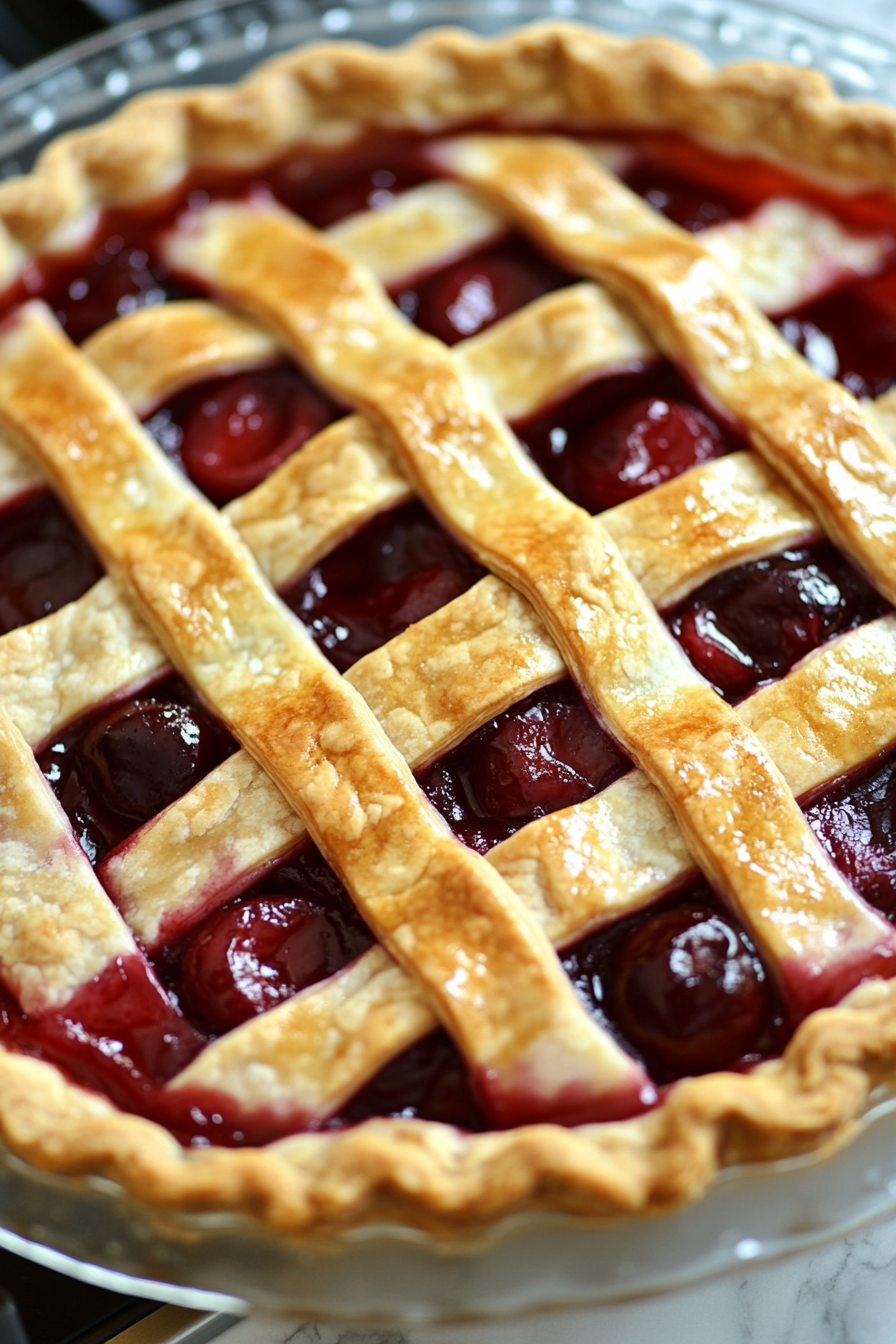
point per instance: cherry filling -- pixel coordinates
(471, 295)
(230, 434)
(367, 177)
(694, 206)
(856, 823)
(848, 336)
(119, 1033)
(751, 624)
(117, 767)
(623, 435)
(300, 927)
(643, 444)
(545, 753)
(107, 280)
(44, 560)
(682, 987)
(429, 1081)
(398, 569)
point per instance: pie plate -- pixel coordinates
(89, 1228)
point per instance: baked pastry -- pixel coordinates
(198, 1003)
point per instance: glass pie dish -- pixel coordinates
(537, 1261)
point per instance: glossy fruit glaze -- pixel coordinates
(750, 625)
(680, 985)
(229, 434)
(622, 435)
(544, 753)
(44, 560)
(121, 764)
(399, 568)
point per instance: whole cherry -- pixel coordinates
(689, 992)
(635, 448)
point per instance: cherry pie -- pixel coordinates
(382, 834)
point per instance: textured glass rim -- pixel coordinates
(65, 1223)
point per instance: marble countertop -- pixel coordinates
(845, 1294)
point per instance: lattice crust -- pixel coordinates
(576, 870)
(811, 429)
(729, 799)
(316, 1049)
(673, 539)
(439, 907)
(547, 74)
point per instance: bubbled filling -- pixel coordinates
(680, 985)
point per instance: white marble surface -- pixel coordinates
(844, 1294)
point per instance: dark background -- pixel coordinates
(30, 29)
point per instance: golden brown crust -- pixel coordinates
(737, 814)
(423, 1173)
(485, 966)
(431, 1176)
(58, 928)
(548, 73)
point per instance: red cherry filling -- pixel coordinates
(140, 756)
(546, 753)
(689, 991)
(370, 176)
(856, 823)
(115, 768)
(44, 560)
(119, 1033)
(622, 435)
(473, 294)
(428, 1082)
(751, 624)
(398, 569)
(682, 985)
(113, 278)
(266, 946)
(229, 435)
(847, 336)
(250, 956)
(635, 448)
(691, 205)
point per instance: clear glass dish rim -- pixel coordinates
(859, 65)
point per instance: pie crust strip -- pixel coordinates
(58, 928)
(810, 429)
(491, 974)
(738, 816)
(577, 870)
